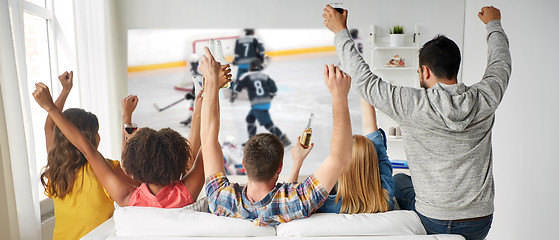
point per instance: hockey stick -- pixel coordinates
(170, 105)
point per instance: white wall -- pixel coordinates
(152, 46)
(525, 134)
(172, 17)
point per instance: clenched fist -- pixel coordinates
(42, 96)
(488, 14)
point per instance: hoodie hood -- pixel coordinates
(454, 104)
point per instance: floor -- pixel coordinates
(301, 91)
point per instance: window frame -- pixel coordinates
(46, 206)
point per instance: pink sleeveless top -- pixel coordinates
(171, 196)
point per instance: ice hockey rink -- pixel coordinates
(301, 91)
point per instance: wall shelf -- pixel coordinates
(381, 52)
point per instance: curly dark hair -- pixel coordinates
(263, 155)
(156, 157)
(64, 160)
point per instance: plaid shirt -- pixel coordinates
(286, 202)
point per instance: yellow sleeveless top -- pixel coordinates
(83, 209)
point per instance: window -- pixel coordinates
(38, 68)
(43, 42)
(40, 60)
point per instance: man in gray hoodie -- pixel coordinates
(446, 126)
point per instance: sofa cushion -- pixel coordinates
(366, 224)
(180, 222)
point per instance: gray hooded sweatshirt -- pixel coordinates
(446, 129)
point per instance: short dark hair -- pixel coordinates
(263, 155)
(156, 157)
(442, 56)
(255, 65)
(249, 31)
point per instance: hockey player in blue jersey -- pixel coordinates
(247, 48)
(261, 89)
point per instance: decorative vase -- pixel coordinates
(396, 40)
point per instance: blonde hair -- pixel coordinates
(359, 186)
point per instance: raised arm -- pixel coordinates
(378, 138)
(128, 106)
(369, 117)
(499, 64)
(332, 168)
(298, 155)
(194, 134)
(211, 149)
(194, 180)
(397, 102)
(119, 190)
(66, 79)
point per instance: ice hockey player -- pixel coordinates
(261, 89)
(247, 48)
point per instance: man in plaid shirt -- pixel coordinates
(263, 200)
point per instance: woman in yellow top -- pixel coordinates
(80, 201)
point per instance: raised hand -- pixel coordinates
(224, 75)
(210, 69)
(333, 20)
(66, 79)
(337, 81)
(298, 153)
(488, 14)
(42, 96)
(129, 105)
(198, 102)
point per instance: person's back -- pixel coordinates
(261, 88)
(448, 143)
(263, 159)
(446, 126)
(262, 200)
(248, 48)
(80, 201)
(158, 159)
(84, 208)
(367, 185)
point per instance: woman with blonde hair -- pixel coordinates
(367, 185)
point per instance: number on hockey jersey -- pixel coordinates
(246, 45)
(259, 89)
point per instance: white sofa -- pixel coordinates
(192, 222)
(185, 223)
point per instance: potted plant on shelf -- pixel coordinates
(397, 36)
